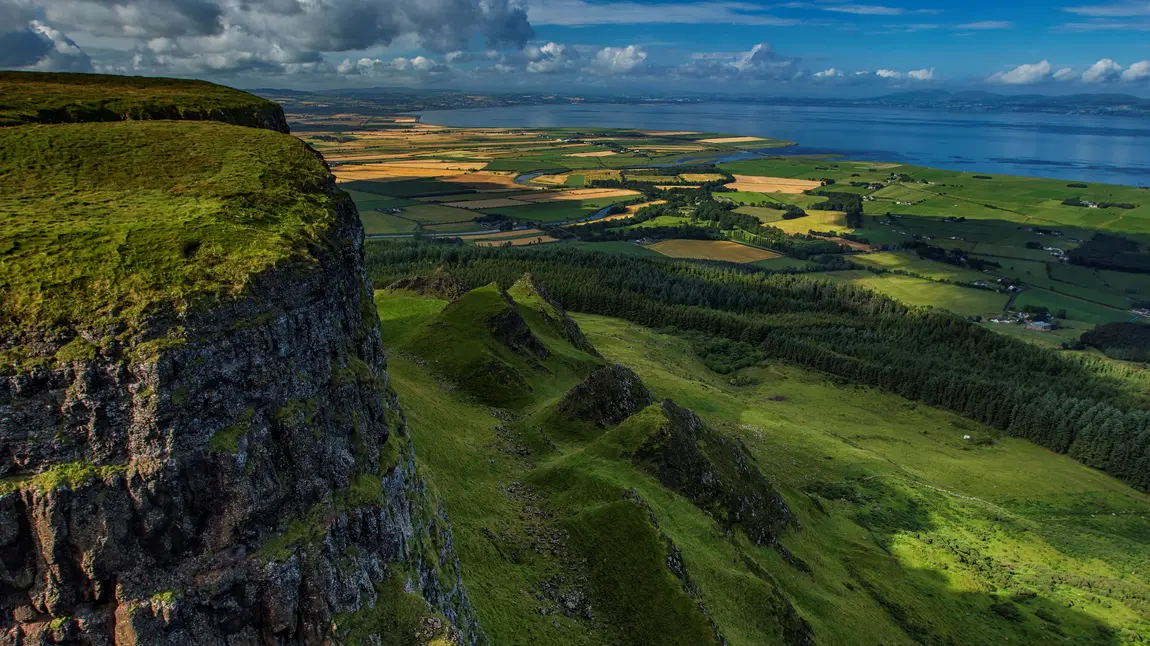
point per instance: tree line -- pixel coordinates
(1085, 409)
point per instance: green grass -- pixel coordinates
(911, 533)
(557, 211)
(35, 97)
(436, 214)
(963, 301)
(385, 223)
(907, 261)
(1076, 308)
(908, 532)
(106, 222)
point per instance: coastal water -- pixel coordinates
(1113, 150)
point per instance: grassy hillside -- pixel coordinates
(40, 97)
(149, 215)
(903, 531)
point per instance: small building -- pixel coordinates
(1041, 326)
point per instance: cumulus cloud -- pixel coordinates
(1102, 71)
(38, 46)
(1024, 74)
(1139, 71)
(399, 66)
(761, 63)
(619, 60)
(888, 74)
(191, 36)
(551, 58)
(921, 75)
(829, 73)
(1065, 74)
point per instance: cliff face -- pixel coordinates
(239, 474)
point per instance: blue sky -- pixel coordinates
(798, 47)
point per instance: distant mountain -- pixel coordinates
(981, 101)
(383, 100)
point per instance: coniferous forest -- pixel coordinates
(1096, 412)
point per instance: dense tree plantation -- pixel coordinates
(1095, 411)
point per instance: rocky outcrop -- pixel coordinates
(237, 475)
(509, 328)
(438, 284)
(716, 473)
(606, 397)
(526, 289)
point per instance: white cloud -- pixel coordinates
(418, 66)
(889, 74)
(577, 13)
(1102, 71)
(38, 46)
(986, 24)
(1139, 71)
(829, 73)
(858, 9)
(1023, 74)
(268, 37)
(551, 58)
(619, 60)
(1065, 74)
(1127, 9)
(761, 63)
(922, 75)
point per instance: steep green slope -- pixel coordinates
(899, 531)
(43, 97)
(495, 347)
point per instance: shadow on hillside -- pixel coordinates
(922, 601)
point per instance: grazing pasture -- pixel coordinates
(772, 184)
(712, 250)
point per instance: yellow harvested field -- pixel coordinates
(662, 149)
(816, 221)
(337, 156)
(499, 235)
(730, 140)
(712, 250)
(551, 180)
(436, 164)
(378, 172)
(600, 174)
(544, 197)
(494, 203)
(485, 181)
(597, 153)
(631, 211)
(701, 177)
(671, 187)
(670, 133)
(517, 242)
(757, 184)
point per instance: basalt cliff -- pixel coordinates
(229, 467)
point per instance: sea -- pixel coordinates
(1107, 149)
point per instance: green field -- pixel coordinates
(375, 223)
(906, 532)
(964, 301)
(557, 211)
(905, 261)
